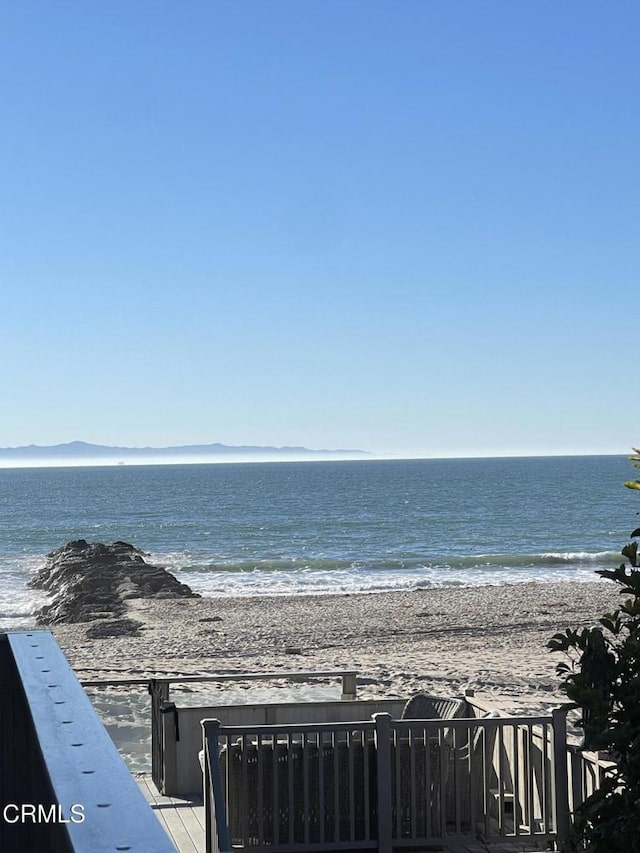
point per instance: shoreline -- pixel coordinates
(487, 638)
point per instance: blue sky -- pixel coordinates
(409, 227)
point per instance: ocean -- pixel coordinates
(290, 528)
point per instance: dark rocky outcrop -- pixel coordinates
(107, 629)
(94, 581)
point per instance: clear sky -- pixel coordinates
(405, 226)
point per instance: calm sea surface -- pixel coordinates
(325, 527)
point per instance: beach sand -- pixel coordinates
(443, 641)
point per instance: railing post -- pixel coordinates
(210, 840)
(168, 737)
(215, 812)
(383, 763)
(561, 775)
(576, 778)
(159, 691)
(348, 686)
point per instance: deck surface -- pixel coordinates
(182, 819)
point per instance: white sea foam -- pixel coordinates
(581, 556)
(18, 602)
(360, 577)
(278, 576)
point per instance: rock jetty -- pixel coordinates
(91, 581)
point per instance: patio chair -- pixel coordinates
(424, 707)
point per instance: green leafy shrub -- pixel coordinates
(602, 677)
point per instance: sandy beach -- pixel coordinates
(490, 638)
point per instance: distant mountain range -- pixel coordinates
(81, 450)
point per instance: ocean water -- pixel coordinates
(325, 527)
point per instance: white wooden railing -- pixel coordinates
(586, 773)
(384, 783)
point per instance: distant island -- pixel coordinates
(83, 452)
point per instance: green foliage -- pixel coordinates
(634, 484)
(602, 677)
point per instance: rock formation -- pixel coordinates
(94, 581)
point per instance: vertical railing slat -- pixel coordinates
(245, 784)
(396, 744)
(366, 791)
(456, 779)
(412, 783)
(260, 798)
(291, 758)
(502, 758)
(530, 781)
(517, 794)
(305, 788)
(442, 768)
(428, 785)
(320, 771)
(275, 794)
(543, 779)
(548, 763)
(352, 799)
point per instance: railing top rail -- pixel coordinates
(369, 725)
(81, 761)
(301, 675)
(591, 757)
(470, 722)
(288, 728)
(115, 682)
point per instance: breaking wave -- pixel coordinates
(299, 576)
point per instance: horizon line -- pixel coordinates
(16, 464)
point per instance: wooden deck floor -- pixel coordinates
(182, 819)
